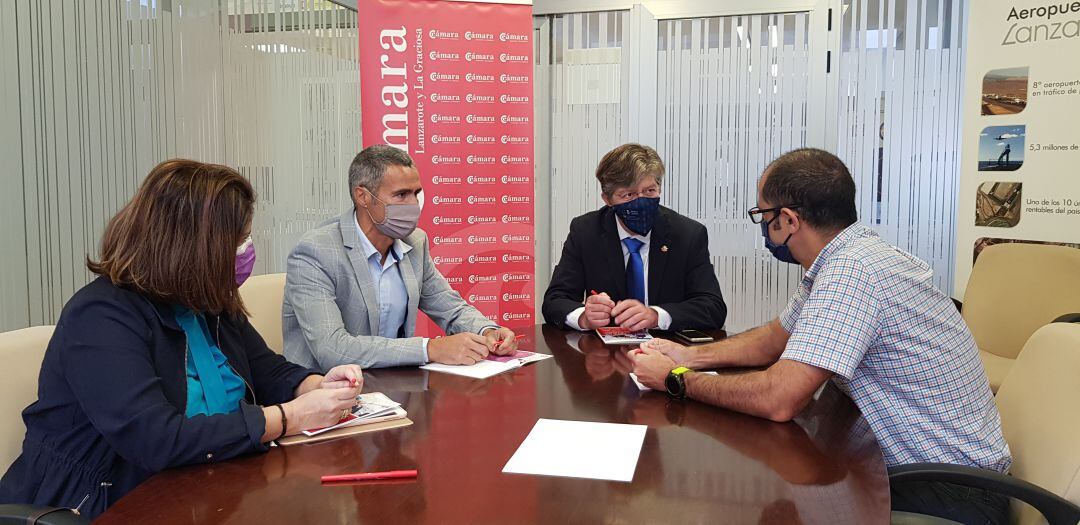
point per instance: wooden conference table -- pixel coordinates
(698, 464)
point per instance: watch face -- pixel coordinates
(671, 384)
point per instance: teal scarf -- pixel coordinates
(213, 386)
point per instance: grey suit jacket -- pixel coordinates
(331, 305)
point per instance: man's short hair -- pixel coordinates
(370, 164)
(626, 165)
(818, 182)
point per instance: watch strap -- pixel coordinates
(677, 376)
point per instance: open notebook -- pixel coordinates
(375, 412)
(490, 366)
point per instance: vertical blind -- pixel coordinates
(586, 70)
(732, 97)
(97, 92)
(900, 91)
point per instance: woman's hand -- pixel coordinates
(319, 408)
(342, 376)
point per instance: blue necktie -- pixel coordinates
(635, 270)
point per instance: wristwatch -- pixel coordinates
(676, 382)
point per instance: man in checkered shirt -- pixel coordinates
(867, 316)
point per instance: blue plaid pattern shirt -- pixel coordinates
(869, 313)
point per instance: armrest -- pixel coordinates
(1068, 318)
(1056, 510)
(22, 514)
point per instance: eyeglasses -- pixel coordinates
(757, 215)
(651, 193)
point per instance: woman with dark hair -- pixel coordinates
(154, 364)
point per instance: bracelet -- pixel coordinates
(284, 422)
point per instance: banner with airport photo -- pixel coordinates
(1018, 174)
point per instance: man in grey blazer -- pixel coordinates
(355, 283)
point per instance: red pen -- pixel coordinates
(500, 341)
(594, 292)
(364, 476)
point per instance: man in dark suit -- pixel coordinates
(648, 265)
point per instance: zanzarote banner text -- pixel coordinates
(451, 83)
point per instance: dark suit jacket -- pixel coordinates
(681, 279)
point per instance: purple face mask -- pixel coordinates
(245, 260)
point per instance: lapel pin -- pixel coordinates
(663, 248)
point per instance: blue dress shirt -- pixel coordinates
(386, 275)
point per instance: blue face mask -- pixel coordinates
(780, 251)
(639, 214)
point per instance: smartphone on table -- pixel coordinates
(693, 336)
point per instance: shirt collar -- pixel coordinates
(842, 239)
(397, 250)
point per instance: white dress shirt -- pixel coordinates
(664, 318)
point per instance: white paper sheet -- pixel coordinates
(579, 449)
(481, 370)
(488, 367)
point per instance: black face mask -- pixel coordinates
(780, 251)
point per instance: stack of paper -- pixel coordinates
(374, 406)
(490, 366)
(615, 335)
(579, 449)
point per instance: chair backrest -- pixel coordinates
(1040, 413)
(18, 514)
(21, 351)
(263, 296)
(1015, 288)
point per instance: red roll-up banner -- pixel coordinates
(451, 83)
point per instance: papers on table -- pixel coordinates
(490, 366)
(520, 356)
(617, 335)
(644, 388)
(374, 406)
(579, 449)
